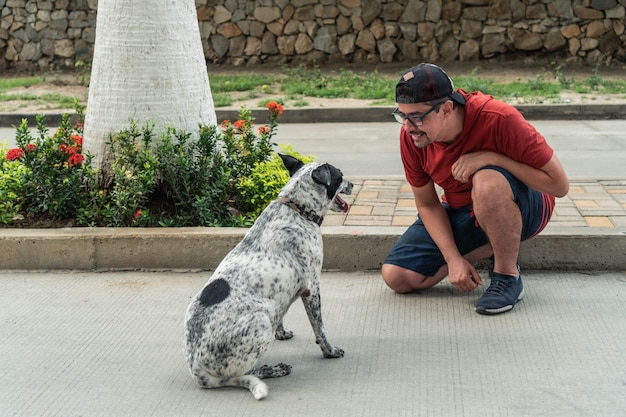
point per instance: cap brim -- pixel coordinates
(456, 96)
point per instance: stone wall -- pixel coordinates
(45, 34)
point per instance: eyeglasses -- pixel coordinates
(412, 118)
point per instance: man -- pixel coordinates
(499, 178)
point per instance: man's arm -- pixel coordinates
(550, 178)
(462, 274)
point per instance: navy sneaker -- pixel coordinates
(503, 292)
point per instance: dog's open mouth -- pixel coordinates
(339, 204)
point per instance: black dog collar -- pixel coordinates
(310, 215)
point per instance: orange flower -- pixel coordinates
(78, 139)
(264, 130)
(239, 124)
(275, 108)
(225, 124)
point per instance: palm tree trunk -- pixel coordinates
(148, 66)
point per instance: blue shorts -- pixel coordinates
(416, 251)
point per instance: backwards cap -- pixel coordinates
(426, 82)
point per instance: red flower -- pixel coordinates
(75, 159)
(138, 214)
(78, 139)
(239, 124)
(31, 147)
(264, 130)
(225, 124)
(70, 150)
(275, 108)
(14, 154)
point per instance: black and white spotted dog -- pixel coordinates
(232, 320)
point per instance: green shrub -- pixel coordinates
(52, 181)
(224, 177)
(266, 179)
(10, 188)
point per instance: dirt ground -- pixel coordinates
(73, 85)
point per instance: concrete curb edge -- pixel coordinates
(345, 248)
(374, 114)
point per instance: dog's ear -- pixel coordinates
(322, 175)
(292, 164)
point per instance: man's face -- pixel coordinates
(422, 122)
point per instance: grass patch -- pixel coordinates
(221, 83)
(298, 84)
(18, 82)
(55, 99)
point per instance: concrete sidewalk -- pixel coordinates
(109, 344)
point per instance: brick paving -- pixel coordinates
(389, 202)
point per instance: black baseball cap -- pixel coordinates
(426, 82)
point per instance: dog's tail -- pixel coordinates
(257, 387)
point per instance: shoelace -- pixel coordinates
(497, 286)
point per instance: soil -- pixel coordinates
(74, 85)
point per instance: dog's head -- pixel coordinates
(324, 175)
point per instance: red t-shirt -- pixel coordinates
(489, 125)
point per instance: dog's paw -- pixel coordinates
(333, 352)
(276, 371)
(282, 333)
(259, 391)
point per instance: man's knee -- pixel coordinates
(395, 277)
(490, 184)
(491, 194)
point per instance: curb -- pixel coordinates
(376, 114)
(346, 248)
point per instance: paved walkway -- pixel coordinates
(389, 202)
(110, 344)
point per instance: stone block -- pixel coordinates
(386, 49)
(433, 11)
(346, 44)
(253, 46)
(415, 11)
(303, 44)
(603, 4)
(554, 40)
(570, 31)
(595, 29)
(378, 29)
(64, 48)
(267, 14)
(469, 50)
(268, 44)
(371, 10)
(366, 40)
(587, 13)
(326, 39)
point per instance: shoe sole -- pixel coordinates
(494, 311)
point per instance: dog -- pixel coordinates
(232, 320)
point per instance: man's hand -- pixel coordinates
(468, 164)
(463, 275)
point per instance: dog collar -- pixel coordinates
(310, 215)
